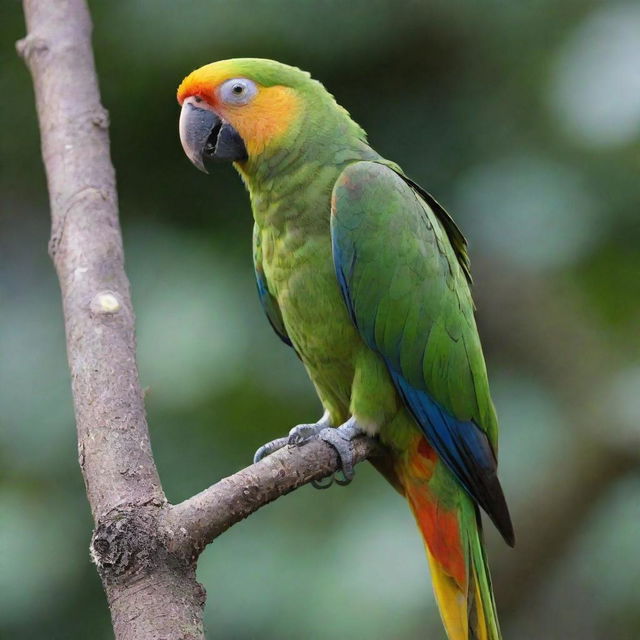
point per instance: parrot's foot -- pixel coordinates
(303, 432)
(297, 436)
(340, 439)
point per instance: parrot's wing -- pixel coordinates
(457, 240)
(268, 302)
(407, 293)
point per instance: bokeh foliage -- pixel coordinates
(524, 119)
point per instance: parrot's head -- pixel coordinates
(243, 109)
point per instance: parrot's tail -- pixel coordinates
(450, 525)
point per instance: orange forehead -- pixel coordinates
(265, 119)
(205, 80)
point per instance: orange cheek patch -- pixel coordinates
(266, 119)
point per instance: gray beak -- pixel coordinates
(205, 136)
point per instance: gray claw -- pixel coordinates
(298, 435)
(344, 481)
(318, 484)
(269, 448)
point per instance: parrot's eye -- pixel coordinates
(238, 91)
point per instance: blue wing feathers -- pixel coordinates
(463, 447)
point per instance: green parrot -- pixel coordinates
(367, 278)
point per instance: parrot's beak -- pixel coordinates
(205, 136)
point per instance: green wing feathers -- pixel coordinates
(408, 290)
(408, 294)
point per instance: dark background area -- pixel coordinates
(523, 118)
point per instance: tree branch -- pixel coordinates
(194, 523)
(146, 562)
(86, 247)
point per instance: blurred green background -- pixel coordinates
(523, 118)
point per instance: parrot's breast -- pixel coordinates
(300, 274)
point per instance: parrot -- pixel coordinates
(367, 278)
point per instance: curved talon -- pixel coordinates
(269, 448)
(297, 436)
(317, 484)
(345, 480)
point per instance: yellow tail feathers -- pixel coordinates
(452, 602)
(463, 613)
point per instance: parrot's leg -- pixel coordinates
(299, 434)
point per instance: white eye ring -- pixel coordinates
(238, 91)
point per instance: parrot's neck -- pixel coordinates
(294, 196)
(287, 183)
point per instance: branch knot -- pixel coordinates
(30, 45)
(100, 117)
(125, 542)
